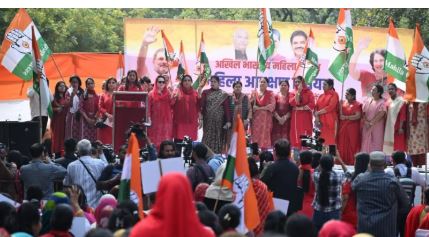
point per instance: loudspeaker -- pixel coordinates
(19, 135)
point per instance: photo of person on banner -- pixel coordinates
(240, 41)
(369, 79)
(160, 63)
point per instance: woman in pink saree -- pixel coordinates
(264, 103)
(374, 116)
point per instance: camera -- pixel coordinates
(186, 144)
(139, 129)
(144, 154)
(315, 142)
(109, 153)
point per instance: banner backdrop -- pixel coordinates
(223, 37)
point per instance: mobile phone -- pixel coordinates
(332, 150)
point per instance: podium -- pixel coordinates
(129, 107)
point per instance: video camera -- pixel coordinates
(315, 142)
(137, 128)
(108, 152)
(186, 147)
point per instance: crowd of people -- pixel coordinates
(51, 195)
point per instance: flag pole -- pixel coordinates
(56, 66)
(40, 91)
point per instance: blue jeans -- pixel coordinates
(320, 217)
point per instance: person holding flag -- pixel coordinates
(21, 55)
(185, 110)
(302, 106)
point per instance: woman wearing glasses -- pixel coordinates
(160, 112)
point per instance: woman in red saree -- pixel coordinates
(59, 106)
(174, 212)
(349, 132)
(302, 117)
(282, 113)
(89, 109)
(418, 217)
(185, 110)
(326, 113)
(160, 112)
(264, 103)
(105, 107)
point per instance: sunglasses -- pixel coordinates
(161, 81)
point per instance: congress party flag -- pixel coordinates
(120, 69)
(309, 61)
(265, 35)
(203, 64)
(170, 55)
(182, 70)
(395, 64)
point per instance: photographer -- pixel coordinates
(200, 172)
(149, 152)
(111, 174)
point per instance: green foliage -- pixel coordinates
(101, 30)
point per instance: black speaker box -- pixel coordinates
(19, 135)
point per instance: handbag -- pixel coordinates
(100, 122)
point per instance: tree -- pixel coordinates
(101, 30)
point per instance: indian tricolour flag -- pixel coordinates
(131, 183)
(237, 177)
(20, 57)
(204, 64)
(170, 55)
(343, 46)
(182, 70)
(395, 64)
(16, 50)
(417, 84)
(265, 35)
(40, 82)
(309, 61)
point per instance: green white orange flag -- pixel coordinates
(265, 35)
(395, 63)
(120, 69)
(237, 178)
(343, 46)
(417, 84)
(131, 183)
(203, 63)
(40, 82)
(309, 61)
(170, 55)
(16, 49)
(182, 70)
